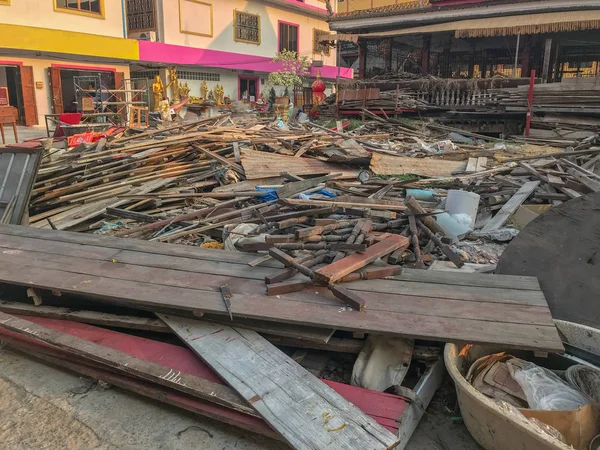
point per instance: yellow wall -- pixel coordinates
(222, 38)
(57, 41)
(43, 97)
(41, 13)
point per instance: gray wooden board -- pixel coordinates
(487, 310)
(511, 206)
(308, 413)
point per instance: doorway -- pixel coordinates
(248, 88)
(10, 78)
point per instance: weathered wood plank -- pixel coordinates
(307, 413)
(491, 304)
(399, 165)
(92, 317)
(324, 314)
(125, 363)
(511, 206)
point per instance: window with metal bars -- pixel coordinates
(85, 6)
(189, 75)
(246, 27)
(141, 15)
(144, 74)
(288, 37)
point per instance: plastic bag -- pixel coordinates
(546, 391)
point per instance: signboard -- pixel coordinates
(4, 96)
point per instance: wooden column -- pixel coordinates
(388, 56)
(546, 65)
(425, 53)
(525, 58)
(362, 58)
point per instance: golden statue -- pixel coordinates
(220, 93)
(175, 83)
(158, 89)
(204, 90)
(184, 91)
(211, 96)
(165, 109)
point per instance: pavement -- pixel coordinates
(47, 408)
(24, 133)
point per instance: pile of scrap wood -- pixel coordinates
(300, 189)
(215, 302)
(296, 260)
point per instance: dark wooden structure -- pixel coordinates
(436, 306)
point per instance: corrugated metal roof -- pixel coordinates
(18, 169)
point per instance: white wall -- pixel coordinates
(43, 97)
(40, 13)
(222, 38)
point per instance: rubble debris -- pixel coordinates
(308, 235)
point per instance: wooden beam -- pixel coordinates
(348, 297)
(511, 206)
(306, 412)
(345, 266)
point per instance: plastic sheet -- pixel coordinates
(546, 391)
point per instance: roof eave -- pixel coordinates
(432, 17)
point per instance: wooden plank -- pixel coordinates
(337, 204)
(307, 413)
(260, 165)
(349, 264)
(417, 298)
(471, 165)
(323, 312)
(482, 162)
(511, 206)
(399, 165)
(127, 364)
(481, 280)
(91, 317)
(180, 284)
(348, 297)
(137, 268)
(386, 409)
(291, 189)
(592, 184)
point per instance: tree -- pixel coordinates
(293, 72)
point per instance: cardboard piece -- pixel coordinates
(526, 213)
(578, 426)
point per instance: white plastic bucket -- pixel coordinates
(463, 202)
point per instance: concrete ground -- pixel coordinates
(24, 133)
(46, 408)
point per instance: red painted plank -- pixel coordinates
(386, 409)
(163, 394)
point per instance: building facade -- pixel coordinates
(473, 38)
(52, 49)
